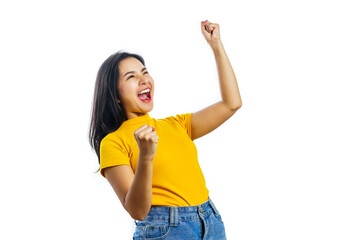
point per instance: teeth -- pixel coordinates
(144, 91)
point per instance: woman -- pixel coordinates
(152, 163)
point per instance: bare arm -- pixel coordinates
(209, 118)
(135, 190)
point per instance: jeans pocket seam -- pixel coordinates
(157, 226)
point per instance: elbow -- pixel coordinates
(233, 106)
(236, 107)
(138, 211)
(138, 216)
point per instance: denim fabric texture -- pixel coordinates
(194, 222)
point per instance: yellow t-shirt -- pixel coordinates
(177, 176)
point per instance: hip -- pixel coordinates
(190, 222)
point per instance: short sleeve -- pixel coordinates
(185, 121)
(112, 154)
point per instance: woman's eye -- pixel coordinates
(133, 75)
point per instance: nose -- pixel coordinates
(143, 80)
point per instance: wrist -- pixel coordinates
(145, 158)
(216, 44)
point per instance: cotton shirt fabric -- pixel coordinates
(177, 177)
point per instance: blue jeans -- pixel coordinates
(194, 222)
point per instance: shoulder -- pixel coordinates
(181, 122)
(118, 137)
(114, 145)
(182, 118)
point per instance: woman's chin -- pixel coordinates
(149, 103)
(148, 108)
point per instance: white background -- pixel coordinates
(285, 166)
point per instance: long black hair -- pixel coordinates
(107, 114)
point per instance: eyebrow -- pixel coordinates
(134, 72)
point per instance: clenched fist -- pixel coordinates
(211, 32)
(147, 140)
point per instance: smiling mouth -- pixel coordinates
(145, 97)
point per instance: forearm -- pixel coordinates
(228, 85)
(139, 197)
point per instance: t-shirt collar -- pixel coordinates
(137, 120)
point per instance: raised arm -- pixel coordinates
(211, 117)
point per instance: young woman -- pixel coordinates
(152, 163)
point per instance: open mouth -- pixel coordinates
(145, 95)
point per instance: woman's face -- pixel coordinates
(133, 79)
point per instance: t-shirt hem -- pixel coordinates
(111, 165)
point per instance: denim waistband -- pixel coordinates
(174, 214)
